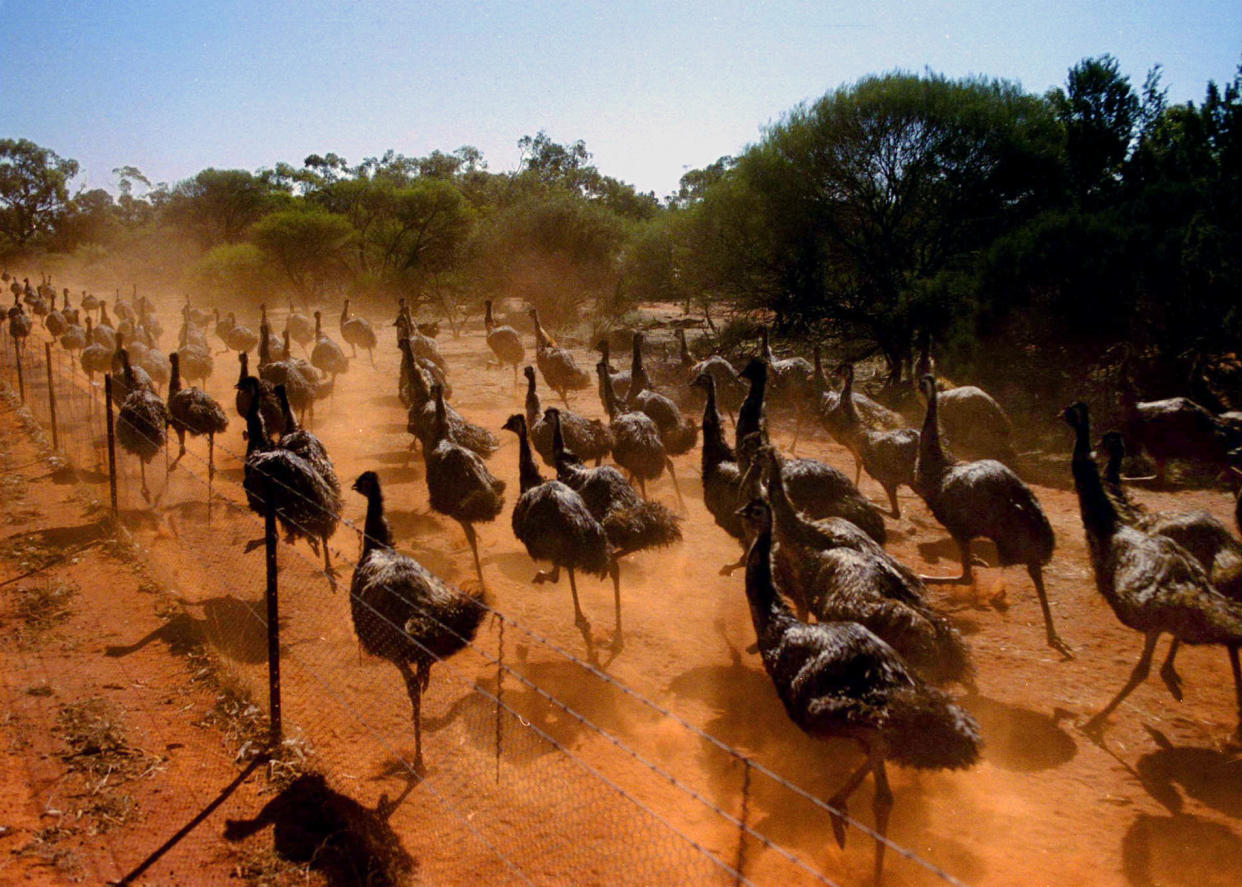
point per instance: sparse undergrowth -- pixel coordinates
(41, 607)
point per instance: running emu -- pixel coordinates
(403, 612)
(554, 524)
(459, 484)
(1152, 583)
(193, 410)
(984, 498)
(837, 679)
(306, 505)
(504, 341)
(142, 425)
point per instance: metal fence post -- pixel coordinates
(739, 862)
(500, 689)
(273, 622)
(21, 381)
(51, 396)
(111, 441)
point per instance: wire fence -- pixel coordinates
(542, 768)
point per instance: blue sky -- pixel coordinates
(653, 88)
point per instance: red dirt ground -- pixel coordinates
(1158, 802)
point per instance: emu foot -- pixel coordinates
(1172, 680)
(1055, 642)
(837, 817)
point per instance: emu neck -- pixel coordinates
(638, 373)
(528, 472)
(488, 322)
(932, 458)
(376, 533)
(256, 433)
(441, 418)
(533, 404)
(606, 392)
(750, 415)
(265, 351)
(174, 376)
(291, 422)
(783, 512)
(715, 448)
(558, 437)
(1099, 514)
(244, 370)
(767, 610)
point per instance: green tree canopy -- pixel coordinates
(866, 207)
(218, 205)
(34, 189)
(306, 244)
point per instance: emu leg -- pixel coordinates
(672, 472)
(728, 569)
(614, 570)
(967, 577)
(1137, 676)
(882, 806)
(837, 803)
(857, 468)
(181, 449)
(1054, 641)
(142, 467)
(474, 547)
(327, 566)
(892, 500)
(642, 487)
(580, 619)
(1169, 674)
(793, 446)
(413, 686)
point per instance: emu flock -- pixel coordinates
(852, 641)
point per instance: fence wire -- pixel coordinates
(526, 783)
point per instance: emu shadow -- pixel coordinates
(60, 537)
(347, 843)
(1016, 738)
(1205, 774)
(1180, 849)
(236, 628)
(410, 524)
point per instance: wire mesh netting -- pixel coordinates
(542, 766)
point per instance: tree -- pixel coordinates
(218, 205)
(131, 210)
(867, 208)
(1100, 112)
(231, 269)
(306, 244)
(555, 252)
(34, 189)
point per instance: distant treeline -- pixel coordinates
(1027, 236)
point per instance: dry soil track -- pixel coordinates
(1159, 802)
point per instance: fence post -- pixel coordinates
(51, 396)
(500, 689)
(739, 862)
(21, 381)
(111, 441)
(273, 621)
